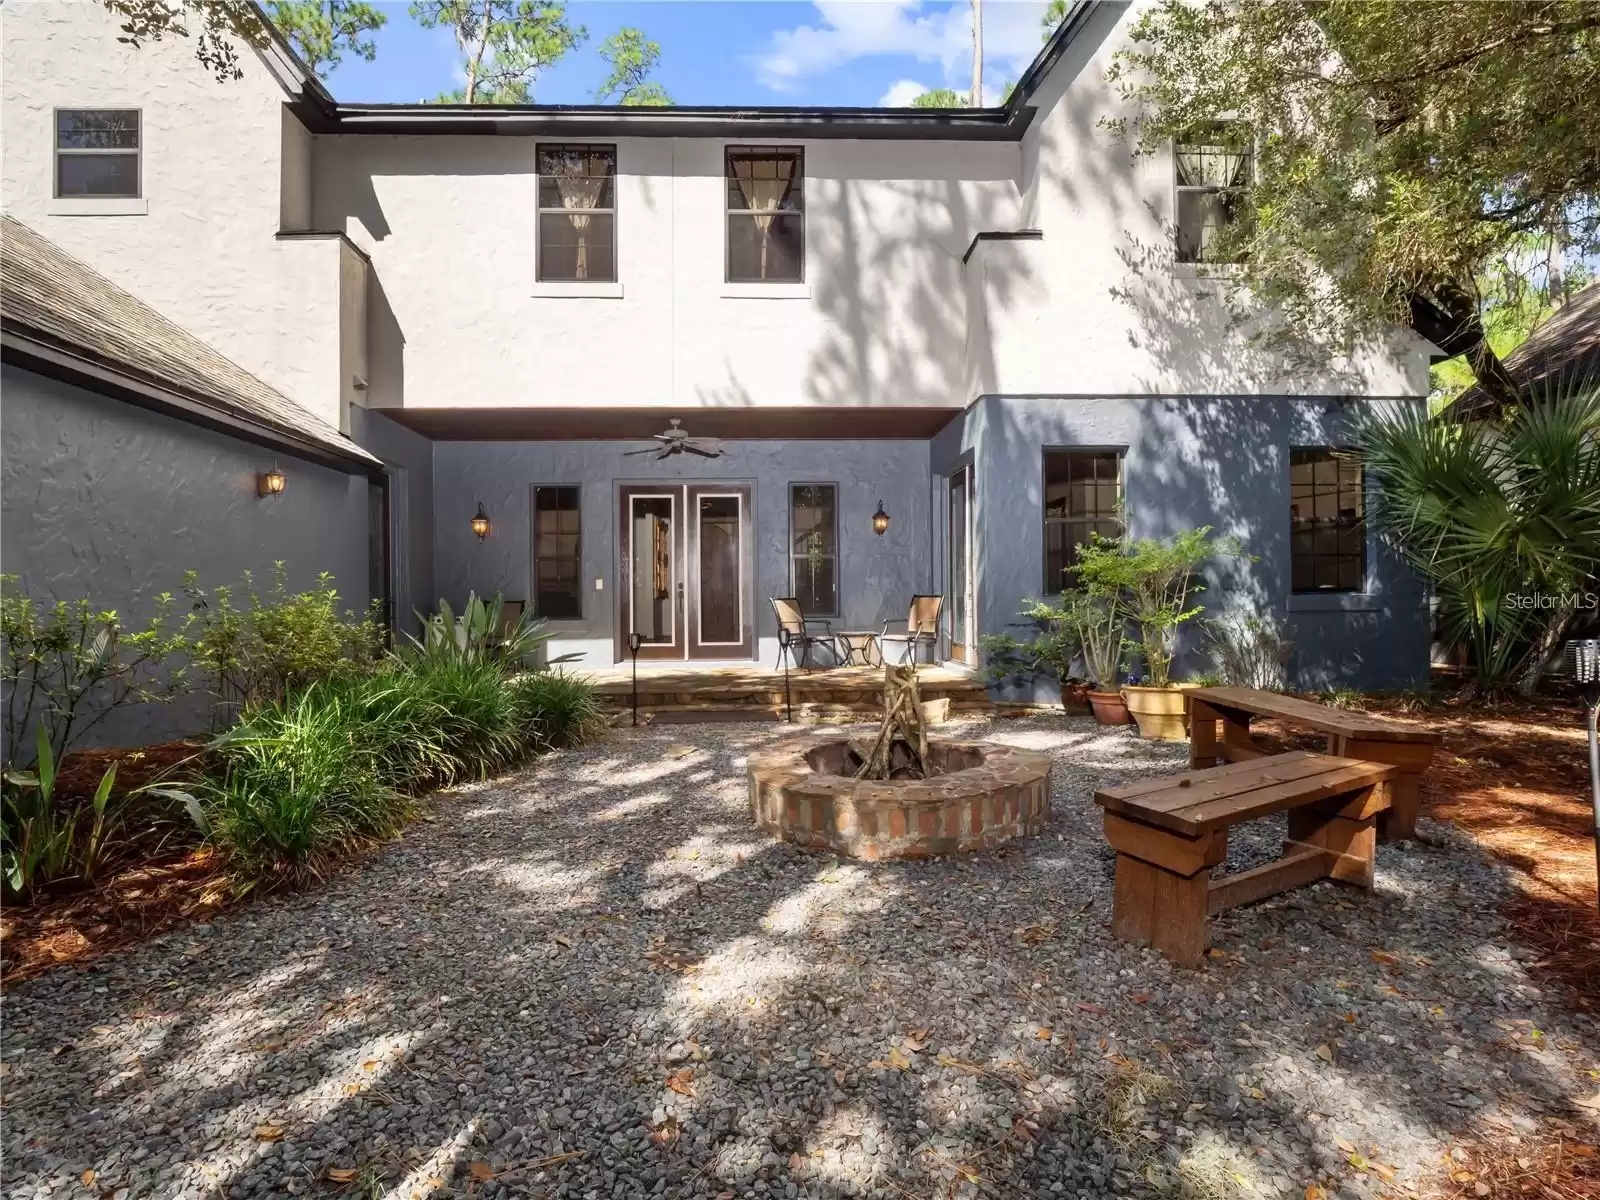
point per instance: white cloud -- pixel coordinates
(901, 93)
(850, 29)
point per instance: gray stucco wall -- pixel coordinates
(877, 574)
(101, 499)
(1190, 461)
(408, 457)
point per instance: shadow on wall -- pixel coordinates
(895, 303)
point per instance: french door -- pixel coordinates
(686, 560)
(961, 587)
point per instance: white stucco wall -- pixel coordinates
(449, 222)
(1099, 306)
(888, 313)
(203, 252)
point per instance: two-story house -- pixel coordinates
(989, 327)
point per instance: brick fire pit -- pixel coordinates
(980, 795)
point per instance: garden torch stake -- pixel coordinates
(784, 643)
(634, 641)
(1584, 658)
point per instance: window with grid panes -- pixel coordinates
(814, 547)
(766, 214)
(577, 214)
(1327, 521)
(557, 561)
(1213, 167)
(1082, 496)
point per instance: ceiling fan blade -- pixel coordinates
(646, 450)
(703, 450)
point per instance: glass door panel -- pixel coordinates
(719, 624)
(653, 589)
(963, 642)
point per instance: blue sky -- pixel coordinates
(739, 51)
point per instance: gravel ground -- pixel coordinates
(595, 979)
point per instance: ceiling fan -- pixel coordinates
(676, 441)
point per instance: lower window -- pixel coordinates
(1082, 497)
(557, 582)
(1327, 521)
(814, 547)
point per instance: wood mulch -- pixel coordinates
(155, 875)
(1515, 776)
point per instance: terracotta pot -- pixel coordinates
(1159, 712)
(1075, 699)
(1109, 708)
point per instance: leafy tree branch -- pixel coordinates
(632, 57)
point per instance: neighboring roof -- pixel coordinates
(56, 311)
(321, 113)
(1563, 352)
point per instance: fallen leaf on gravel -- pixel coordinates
(915, 1040)
(562, 941)
(1085, 1006)
(1358, 1161)
(1142, 998)
(269, 1133)
(678, 751)
(897, 1059)
(1044, 1033)
(1349, 1018)
(666, 1134)
(682, 1081)
(87, 1178)
(1032, 935)
(370, 1065)
(1462, 1176)
(340, 1175)
(1325, 1052)
(1314, 1192)
(1347, 1147)
(1384, 957)
(1581, 1151)
(1384, 1173)
(1256, 1093)
(481, 1171)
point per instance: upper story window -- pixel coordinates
(577, 214)
(1213, 167)
(1327, 521)
(766, 214)
(97, 153)
(1082, 497)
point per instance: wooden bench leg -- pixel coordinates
(1237, 745)
(1348, 831)
(1163, 887)
(1405, 798)
(1164, 911)
(1202, 734)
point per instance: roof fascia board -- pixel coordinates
(25, 349)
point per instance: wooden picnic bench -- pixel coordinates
(1350, 735)
(1169, 832)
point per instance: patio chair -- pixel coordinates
(922, 629)
(793, 621)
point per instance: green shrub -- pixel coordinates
(476, 715)
(480, 632)
(68, 667)
(557, 709)
(260, 653)
(305, 780)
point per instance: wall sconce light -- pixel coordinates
(271, 483)
(480, 523)
(880, 520)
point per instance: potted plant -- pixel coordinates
(1054, 649)
(1100, 618)
(1160, 577)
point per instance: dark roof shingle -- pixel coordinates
(57, 301)
(1564, 352)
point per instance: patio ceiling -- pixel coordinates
(604, 424)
